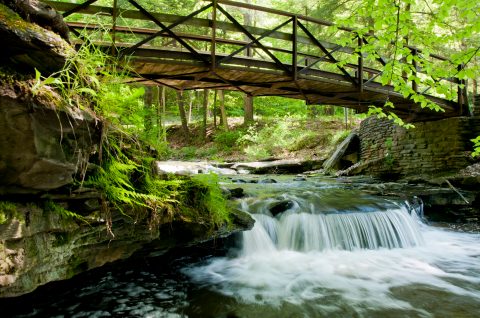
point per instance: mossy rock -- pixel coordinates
(29, 46)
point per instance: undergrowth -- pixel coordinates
(284, 135)
(129, 139)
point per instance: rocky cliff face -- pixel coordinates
(39, 245)
(44, 146)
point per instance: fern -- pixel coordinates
(51, 206)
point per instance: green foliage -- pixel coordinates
(132, 188)
(210, 198)
(284, 134)
(476, 147)
(227, 139)
(93, 79)
(7, 210)
(274, 106)
(380, 113)
(53, 207)
(187, 153)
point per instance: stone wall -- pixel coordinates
(435, 147)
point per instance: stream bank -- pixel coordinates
(58, 217)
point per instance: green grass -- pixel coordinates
(7, 211)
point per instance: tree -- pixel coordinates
(183, 115)
(204, 113)
(248, 99)
(222, 110)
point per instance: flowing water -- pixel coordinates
(329, 251)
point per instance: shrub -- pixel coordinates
(227, 139)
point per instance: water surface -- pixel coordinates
(334, 252)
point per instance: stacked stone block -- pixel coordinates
(435, 147)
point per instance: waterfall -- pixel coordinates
(323, 250)
(308, 229)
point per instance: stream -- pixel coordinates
(318, 249)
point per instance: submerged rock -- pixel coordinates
(237, 193)
(267, 181)
(280, 206)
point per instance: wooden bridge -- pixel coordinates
(216, 47)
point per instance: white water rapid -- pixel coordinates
(322, 259)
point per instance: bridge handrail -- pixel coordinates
(328, 48)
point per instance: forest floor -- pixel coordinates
(282, 138)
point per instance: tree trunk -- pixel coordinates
(190, 105)
(160, 105)
(248, 109)
(223, 112)
(183, 115)
(204, 113)
(247, 99)
(215, 110)
(148, 102)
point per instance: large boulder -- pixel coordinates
(42, 144)
(26, 45)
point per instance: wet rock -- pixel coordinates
(237, 193)
(299, 179)
(278, 166)
(234, 193)
(243, 219)
(239, 181)
(267, 181)
(280, 206)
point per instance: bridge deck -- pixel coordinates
(202, 50)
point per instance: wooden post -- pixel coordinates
(360, 65)
(190, 106)
(214, 36)
(294, 48)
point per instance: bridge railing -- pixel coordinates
(218, 33)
